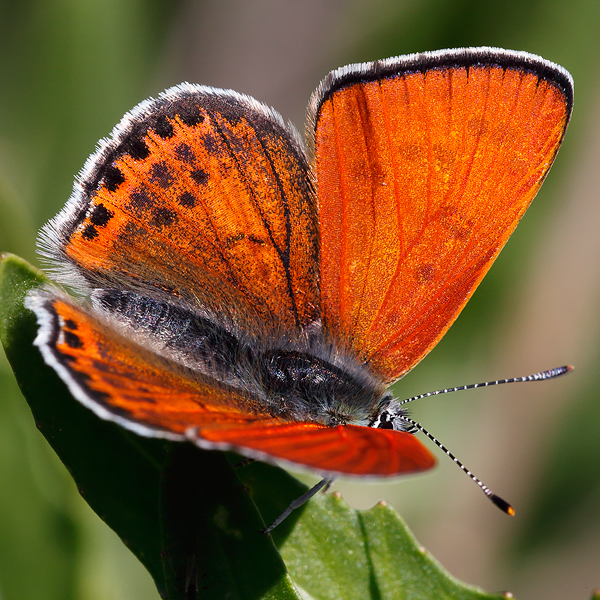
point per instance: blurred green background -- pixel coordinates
(69, 69)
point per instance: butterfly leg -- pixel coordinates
(324, 483)
(327, 485)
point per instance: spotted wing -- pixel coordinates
(123, 381)
(202, 198)
(425, 165)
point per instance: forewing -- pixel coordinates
(125, 382)
(425, 165)
(202, 197)
(342, 450)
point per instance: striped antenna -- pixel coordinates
(503, 505)
(541, 376)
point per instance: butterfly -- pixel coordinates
(235, 288)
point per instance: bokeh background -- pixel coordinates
(69, 69)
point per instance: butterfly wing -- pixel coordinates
(341, 450)
(201, 197)
(125, 382)
(425, 165)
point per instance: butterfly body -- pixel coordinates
(244, 292)
(303, 379)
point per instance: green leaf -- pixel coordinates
(121, 475)
(365, 554)
(335, 552)
(213, 540)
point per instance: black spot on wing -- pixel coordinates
(140, 200)
(199, 176)
(185, 153)
(190, 115)
(136, 147)
(211, 143)
(72, 339)
(232, 240)
(187, 199)
(112, 178)
(161, 175)
(163, 127)
(101, 215)
(163, 217)
(90, 232)
(256, 240)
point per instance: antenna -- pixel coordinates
(502, 504)
(541, 376)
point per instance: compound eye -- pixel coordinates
(384, 421)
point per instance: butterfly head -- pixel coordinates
(392, 417)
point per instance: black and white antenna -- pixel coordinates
(385, 419)
(541, 376)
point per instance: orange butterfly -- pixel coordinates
(246, 294)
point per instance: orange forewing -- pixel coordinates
(123, 381)
(345, 449)
(422, 177)
(207, 199)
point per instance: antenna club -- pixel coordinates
(557, 372)
(503, 505)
